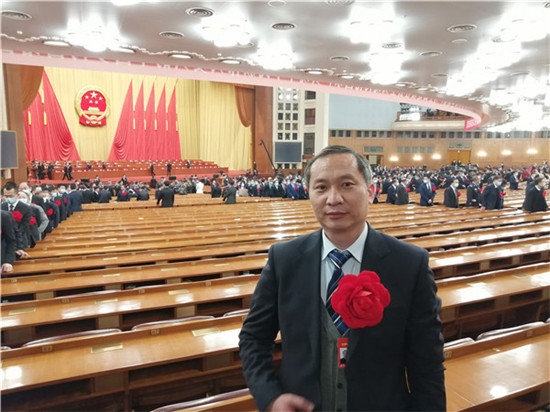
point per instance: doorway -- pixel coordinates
(459, 155)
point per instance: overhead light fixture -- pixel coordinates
(461, 28)
(394, 159)
(531, 151)
(436, 156)
(422, 88)
(180, 56)
(56, 43)
(482, 153)
(92, 35)
(506, 152)
(417, 158)
(400, 84)
(122, 49)
(315, 71)
(172, 35)
(275, 56)
(346, 76)
(231, 61)
(525, 30)
(226, 31)
(368, 29)
(16, 15)
(200, 12)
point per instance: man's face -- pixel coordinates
(338, 192)
(10, 193)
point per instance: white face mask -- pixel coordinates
(498, 183)
(455, 185)
(23, 201)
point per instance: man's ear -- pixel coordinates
(371, 191)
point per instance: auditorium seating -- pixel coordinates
(77, 335)
(161, 272)
(209, 402)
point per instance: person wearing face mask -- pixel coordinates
(473, 195)
(451, 194)
(427, 192)
(38, 221)
(491, 196)
(21, 213)
(535, 200)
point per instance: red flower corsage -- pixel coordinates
(544, 194)
(123, 193)
(408, 189)
(434, 189)
(17, 216)
(49, 212)
(58, 202)
(33, 220)
(480, 190)
(65, 201)
(502, 194)
(458, 193)
(361, 299)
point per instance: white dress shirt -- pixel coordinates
(351, 267)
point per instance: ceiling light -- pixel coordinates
(400, 84)
(364, 31)
(315, 71)
(226, 32)
(231, 61)
(506, 152)
(180, 55)
(436, 156)
(385, 78)
(283, 26)
(199, 12)
(524, 30)
(460, 28)
(417, 158)
(92, 35)
(339, 58)
(392, 45)
(459, 41)
(422, 88)
(346, 76)
(122, 49)
(431, 53)
(276, 3)
(275, 56)
(394, 159)
(16, 15)
(481, 153)
(172, 35)
(531, 151)
(439, 75)
(339, 2)
(56, 43)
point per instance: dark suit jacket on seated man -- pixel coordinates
(396, 364)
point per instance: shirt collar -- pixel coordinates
(356, 249)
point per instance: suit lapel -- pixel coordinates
(373, 253)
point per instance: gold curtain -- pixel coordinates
(223, 138)
(208, 118)
(245, 104)
(31, 77)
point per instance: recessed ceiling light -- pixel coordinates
(314, 71)
(283, 26)
(525, 73)
(422, 88)
(245, 46)
(200, 12)
(122, 49)
(459, 41)
(346, 76)
(231, 61)
(171, 35)
(16, 15)
(439, 75)
(56, 43)
(392, 45)
(339, 2)
(180, 55)
(339, 58)
(400, 84)
(431, 53)
(276, 3)
(460, 28)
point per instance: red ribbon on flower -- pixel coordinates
(49, 212)
(361, 299)
(65, 201)
(58, 202)
(433, 189)
(17, 216)
(33, 220)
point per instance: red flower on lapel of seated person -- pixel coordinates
(360, 300)
(17, 216)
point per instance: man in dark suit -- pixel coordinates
(9, 241)
(427, 192)
(143, 193)
(76, 199)
(104, 195)
(19, 209)
(215, 190)
(473, 195)
(395, 364)
(122, 195)
(392, 192)
(534, 199)
(451, 195)
(401, 194)
(490, 197)
(166, 195)
(230, 193)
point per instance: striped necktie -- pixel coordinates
(338, 258)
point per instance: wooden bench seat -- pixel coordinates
(25, 321)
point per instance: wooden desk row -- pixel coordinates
(462, 300)
(123, 366)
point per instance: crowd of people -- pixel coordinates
(485, 187)
(29, 213)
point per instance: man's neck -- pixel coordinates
(343, 240)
